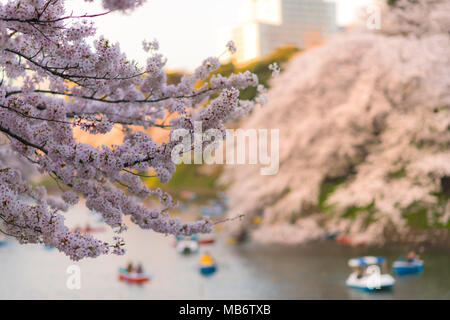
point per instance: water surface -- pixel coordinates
(250, 271)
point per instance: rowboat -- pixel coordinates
(3, 241)
(186, 246)
(133, 277)
(214, 209)
(332, 235)
(402, 267)
(187, 195)
(384, 282)
(208, 269)
(206, 239)
(367, 275)
(207, 265)
(343, 239)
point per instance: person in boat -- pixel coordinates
(88, 228)
(130, 267)
(139, 269)
(206, 258)
(411, 256)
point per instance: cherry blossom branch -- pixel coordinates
(70, 77)
(19, 138)
(92, 85)
(38, 21)
(146, 101)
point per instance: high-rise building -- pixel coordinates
(269, 24)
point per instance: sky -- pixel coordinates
(188, 30)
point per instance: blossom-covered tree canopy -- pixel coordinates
(54, 80)
(365, 128)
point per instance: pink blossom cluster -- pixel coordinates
(55, 80)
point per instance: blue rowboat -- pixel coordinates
(3, 241)
(401, 267)
(331, 236)
(208, 269)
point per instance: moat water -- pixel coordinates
(249, 271)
